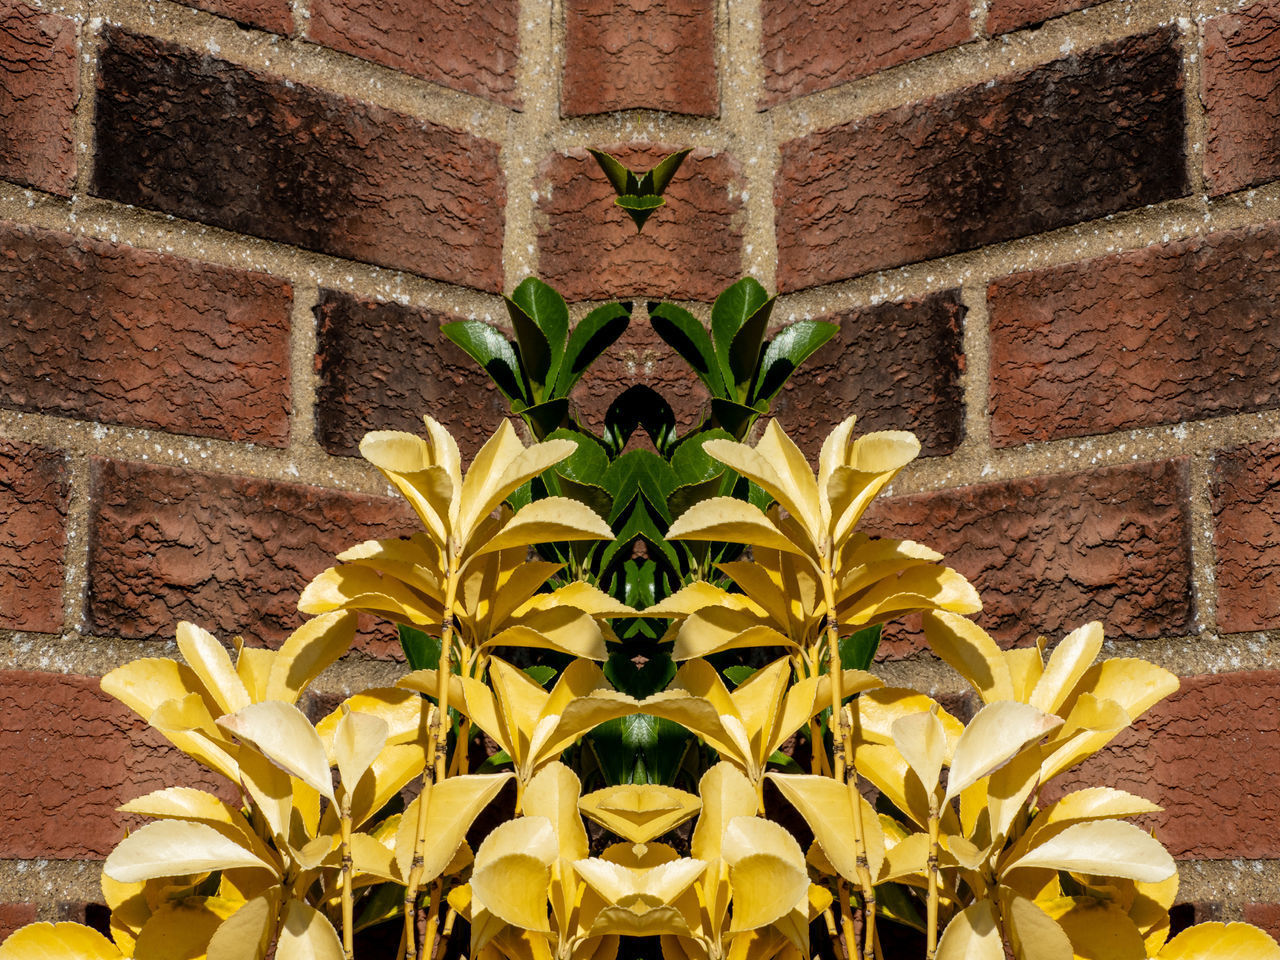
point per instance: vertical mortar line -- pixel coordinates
(303, 379)
(301, 10)
(1204, 582)
(82, 121)
(978, 19)
(976, 343)
(75, 584)
(1196, 123)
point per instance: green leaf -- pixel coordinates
(733, 417)
(790, 348)
(593, 335)
(641, 521)
(489, 348)
(540, 673)
(422, 651)
(640, 579)
(858, 651)
(541, 322)
(744, 352)
(546, 418)
(686, 335)
(656, 180)
(640, 208)
(522, 496)
(491, 763)
(620, 178)
(692, 463)
(579, 475)
(737, 304)
(787, 763)
(639, 406)
(639, 680)
(738, 674)
(639, 472)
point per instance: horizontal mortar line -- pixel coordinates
(44, 879)
(971, 64)
(1231, 882)
(1181, 218)
(115, 222)
(641, 126)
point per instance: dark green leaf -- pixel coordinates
(489, 348)
(545, 418)
(639, 208)
(790, 348)
(639, 680)
(738, 674)
(579, 475)
(686, 335)
(422, 651)
(656, 180)
(692, 463)
(758, 497)
(744, 352)
(540, 673)
(787, 763)
(730, 311)
(593, 335)
(522, 496)
(640, 578)
(620, 178)
(733, 417)
(857, 652)
(639, 472)
(639, 406)
(494, 761)
(644, 522)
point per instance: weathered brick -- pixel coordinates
(1052, 552)
(1264, 915)
(473, 47)
(897, 366)
(383, 365)
(273, 15)
(107, 332)
(15, 915)
(69, 755)
(1246, 535)
(811, 46)
(640, 54)
(1241, 92)
(39, 88)
(1073, 140)
(1006, 15)
(588, 248)
(34, 489)
(197, 137)
(1172, 332)
(1232, 718)
(230, 553)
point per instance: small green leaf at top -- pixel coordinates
(639, 194)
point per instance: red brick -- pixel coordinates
(1070, 141)
(811, 46)
(1052, 552)
(472, 47)
(1240, 87)
(39, 87)
(897, 366)
(107, 332)
(640, 54)
(1173, 332)
(1210, 755)
(34, 489)
(1006, 15)
(1264, 915)
(588, 248)
(1246, 535)
(383, 365)
(273, 15)
(190, 135)
(230, 553)
(69, 755)
(15, 915)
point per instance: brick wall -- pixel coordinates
(1049, 231)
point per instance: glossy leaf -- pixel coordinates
(489, 348)
(785, 352)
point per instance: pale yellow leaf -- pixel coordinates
(549, 520)
(307, 651)
(306, 935)
(512, 868)
(358, 738)
(168, 848)
(1220, 941)
(58, 941)
(452, 806)
(639, 812)
(182, 929)
(1035, 935)
(922, 742)
(282, 733)
(1067, 664)
(998, 732)
(1110, 848)
(247, 933)
(212, 664)
(726, 793)
(731, 521)
(188, 803)
(971, 652)
(789, 482)
(553, 793)
(972, 934)
(1097, 930)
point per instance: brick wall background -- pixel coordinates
(1049, 230)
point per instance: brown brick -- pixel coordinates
(34, 488)
(39, 87)
(473, 47)
(1050, 553)
(230, 553)
(1241, 92)
(640, 54)
(69, 755)
(806, 47)
(15, 915)
(107, 332)
(1264, 915)
(588, 248)
(383, 365)
(197, 137)
(1246, 535)
(1210, 755)
(896, 366)
(1076, 139)
(1006, 15)
(273, 15)
(1173, 332)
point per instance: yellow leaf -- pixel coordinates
(1110, 848)
(972, 934)
(766, 871)
(971, 652)
(639, 812)
(307, 935)
(726, 793)
(1067, 664)
(181, 930)
(1033, 934)
(733, 521)
(1098, 930)
(1220, 941)
(553, 793)
(58, 941)
(168, 848)
(307, 651)
(211, 663)
(188, 803)
(281, 733)
(452, 806)
(544, 521)
(827, 806)
(357, 740)
(351, 587)
(248, 932)
(783, 473)
(998, 732)
(922, 742)
(512, 869)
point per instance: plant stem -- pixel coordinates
(931, 934)
(348, 915)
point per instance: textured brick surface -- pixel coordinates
(588, 248)
(105, 332)
(34, 488)
(1241, 92)
(187, 134)
(1210, 755)
(816, 44)
(273, 15)
(15, 915)
(654, 54)
(39, 87)
(229, 553)
(1073, 140)
(1050, 553)
(473, 47)
(896, 366)
(1006, 15)
(1264, 915)
(383, 365)
(69, 755)
(1246, 535)
(1172, 332)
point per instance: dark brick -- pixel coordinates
(39, 88)
(197, 137)
(273, 15)
(383, 365)
(107, 332)
(34, 489)
(472, 47)
(1264, 915)
(640, 54)
(69, 755)
(1006, 15)
(897, 366)
(1168, 333)
(15, 915)
(811, 46)
(1050, 553)
(588, 248)
(1246, 536)
(1240, 87)
(230, 553)
(1073, 140)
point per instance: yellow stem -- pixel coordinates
(445, 933)
(433, 921)
(931, 943)
(834, 934)
(348, 920)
